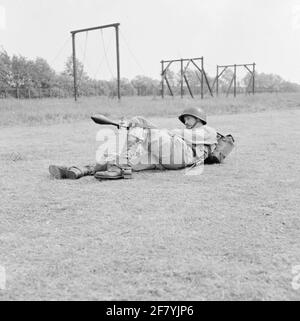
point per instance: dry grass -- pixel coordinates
(229, 234)
(54, 111)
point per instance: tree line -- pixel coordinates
(21, 77)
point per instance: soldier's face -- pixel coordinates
(189, 121)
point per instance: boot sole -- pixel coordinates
(111, 176)
(107, 175)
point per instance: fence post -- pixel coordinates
(181, 78)
(202, 78)
(253, 79)
(234, 81)
(217, 81)
(162, 79)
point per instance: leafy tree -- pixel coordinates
(20, 71)
(126, 87)
(144, 85)
(82, 77)
(194, 79)
(37, 75)
(5, 69)
(42, 75)
(225, 80)
(65, 83)
(271, 82)
(81, 74)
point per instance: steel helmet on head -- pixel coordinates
(196, 112)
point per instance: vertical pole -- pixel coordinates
(234, 81)
(253, 79)
(74, 66)
(162, 79)
(181, 78)
(202, 77)
(217, 81)
(118, 61)
(189, 88)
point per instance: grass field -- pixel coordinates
(54, 111)
(231, 233)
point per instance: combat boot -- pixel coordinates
(73, 172)
(114, 172)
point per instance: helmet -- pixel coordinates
(197, 112)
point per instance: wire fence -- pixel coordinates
(39, 93)
(56, 92)
(30, 93)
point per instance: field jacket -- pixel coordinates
(204, 135)
(203, 139)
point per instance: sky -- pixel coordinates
(266, 32)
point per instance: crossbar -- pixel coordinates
(74, 32)
(95, 28)
(237, 65)
(177, 60)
